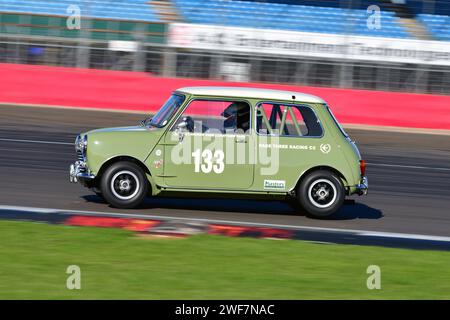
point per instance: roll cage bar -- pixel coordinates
(271, 123)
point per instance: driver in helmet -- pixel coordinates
(237, 117)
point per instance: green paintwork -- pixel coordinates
(153, 147)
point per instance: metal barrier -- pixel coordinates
(34, 39)
(164, 61)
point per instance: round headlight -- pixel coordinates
(81, 143)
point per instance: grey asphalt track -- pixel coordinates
(409, 177)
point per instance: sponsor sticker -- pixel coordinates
(275, 184)
(157, 164)
(325, 148)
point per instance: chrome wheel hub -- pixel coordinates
(125, 185)
(322, 193)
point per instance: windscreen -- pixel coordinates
(167, 111)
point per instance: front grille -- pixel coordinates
(81, 159)
(80, 156)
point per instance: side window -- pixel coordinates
(215, 116)
(287, 120)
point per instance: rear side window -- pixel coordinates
(287, 120)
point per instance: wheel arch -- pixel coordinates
(321, 167)
(116, 159)
(153, 188)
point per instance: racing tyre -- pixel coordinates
(321, 193)
(124, 185)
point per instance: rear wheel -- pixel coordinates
(321, 193)
(124, 185)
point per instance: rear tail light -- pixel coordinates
(362, 166)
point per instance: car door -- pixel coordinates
(291, 135)
(210, 146)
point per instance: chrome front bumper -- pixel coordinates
(363, 187)
(78, 172)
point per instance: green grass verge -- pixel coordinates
(116, 264)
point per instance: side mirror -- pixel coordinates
(186, 124)
(181, 129)
(182, 125)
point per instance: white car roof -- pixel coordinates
(258, 93)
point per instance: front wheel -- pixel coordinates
(321, 193)
(124, 185)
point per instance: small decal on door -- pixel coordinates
(157, 164)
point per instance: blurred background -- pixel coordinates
(129, 55)
(390, 45)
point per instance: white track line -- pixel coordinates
(35, 141)
(405, 166)
(233, 222)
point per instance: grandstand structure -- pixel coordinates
(317, 43)
(288, 17)
(437, 25)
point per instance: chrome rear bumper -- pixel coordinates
(363, 187)
(78, 172)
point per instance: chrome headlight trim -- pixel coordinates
(81, 144)
(77, 142)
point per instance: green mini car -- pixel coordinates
(230, 142)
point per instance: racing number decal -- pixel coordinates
(219, 166)
(206, 161)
